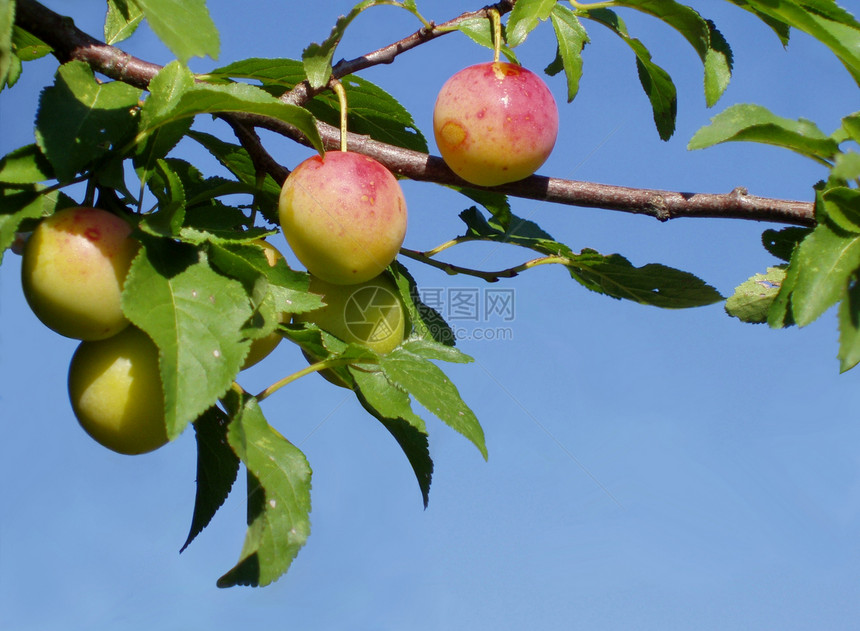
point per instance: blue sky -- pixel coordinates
(648, 469)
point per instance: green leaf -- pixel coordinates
(122, 19)
(17, 206)
(279, 498)
(779, 27)
(280, 72)
(425, 322)
(195, 317)
(612, 275)
(431, 349)
(480, 31)
(184, 26)
(849, 328)
(81, 119)
(710, 45)
(496, 203)
(247, 263)
(652, 284)
(655, 81)
(851, 127)
(237, 160)
(175, 96)
(822, 19)
(781, 243)
(842, 206)
(752, 299)
(757, 124)
(524, 17)
(847, 166)
(28, 47)
(371, 112)
(432, 389)
(390, 406)
(167, 188)
(824, 262)
(217, 467)
(26, 165)
(572, 38)
(7, 22)
(317, 57)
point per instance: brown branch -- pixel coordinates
(303, 92)
(71, 43)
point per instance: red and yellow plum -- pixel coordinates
(344, 216)
(495, 123)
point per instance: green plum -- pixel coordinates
(116, 392)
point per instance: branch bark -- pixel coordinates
(70, 43)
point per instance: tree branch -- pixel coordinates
(70, 43)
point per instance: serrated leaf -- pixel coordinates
(431, 349)
(17, 206)
(849, 328)
(781, 243)
(425, 322)
(176, 96)
(122, 19)
(247, 263)
(842, 206)
(279, 500)
(779, 27)
(184, 26)
(391, 407)
(25, 165)
(822, 19)
(480, 30)
(195, 317)
(7, 22)
(824, 262)
(237, 160)
(752, 299)
(28, 47)
(652, 284)
(524, 17)
(80, 119)
(282, 72)
(756, 123)
(655, 81)
(317, 57)
(851, 126)
(572, 38)
(217, 468)
(613, 275)
(432, 389)
(847, 166)
(710, 45)
(166, 185)
(158, 144)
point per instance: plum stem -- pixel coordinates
(311, 368)
(338, 88)
(489, 276)
(496, 21)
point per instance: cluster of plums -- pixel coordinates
(344, 217)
